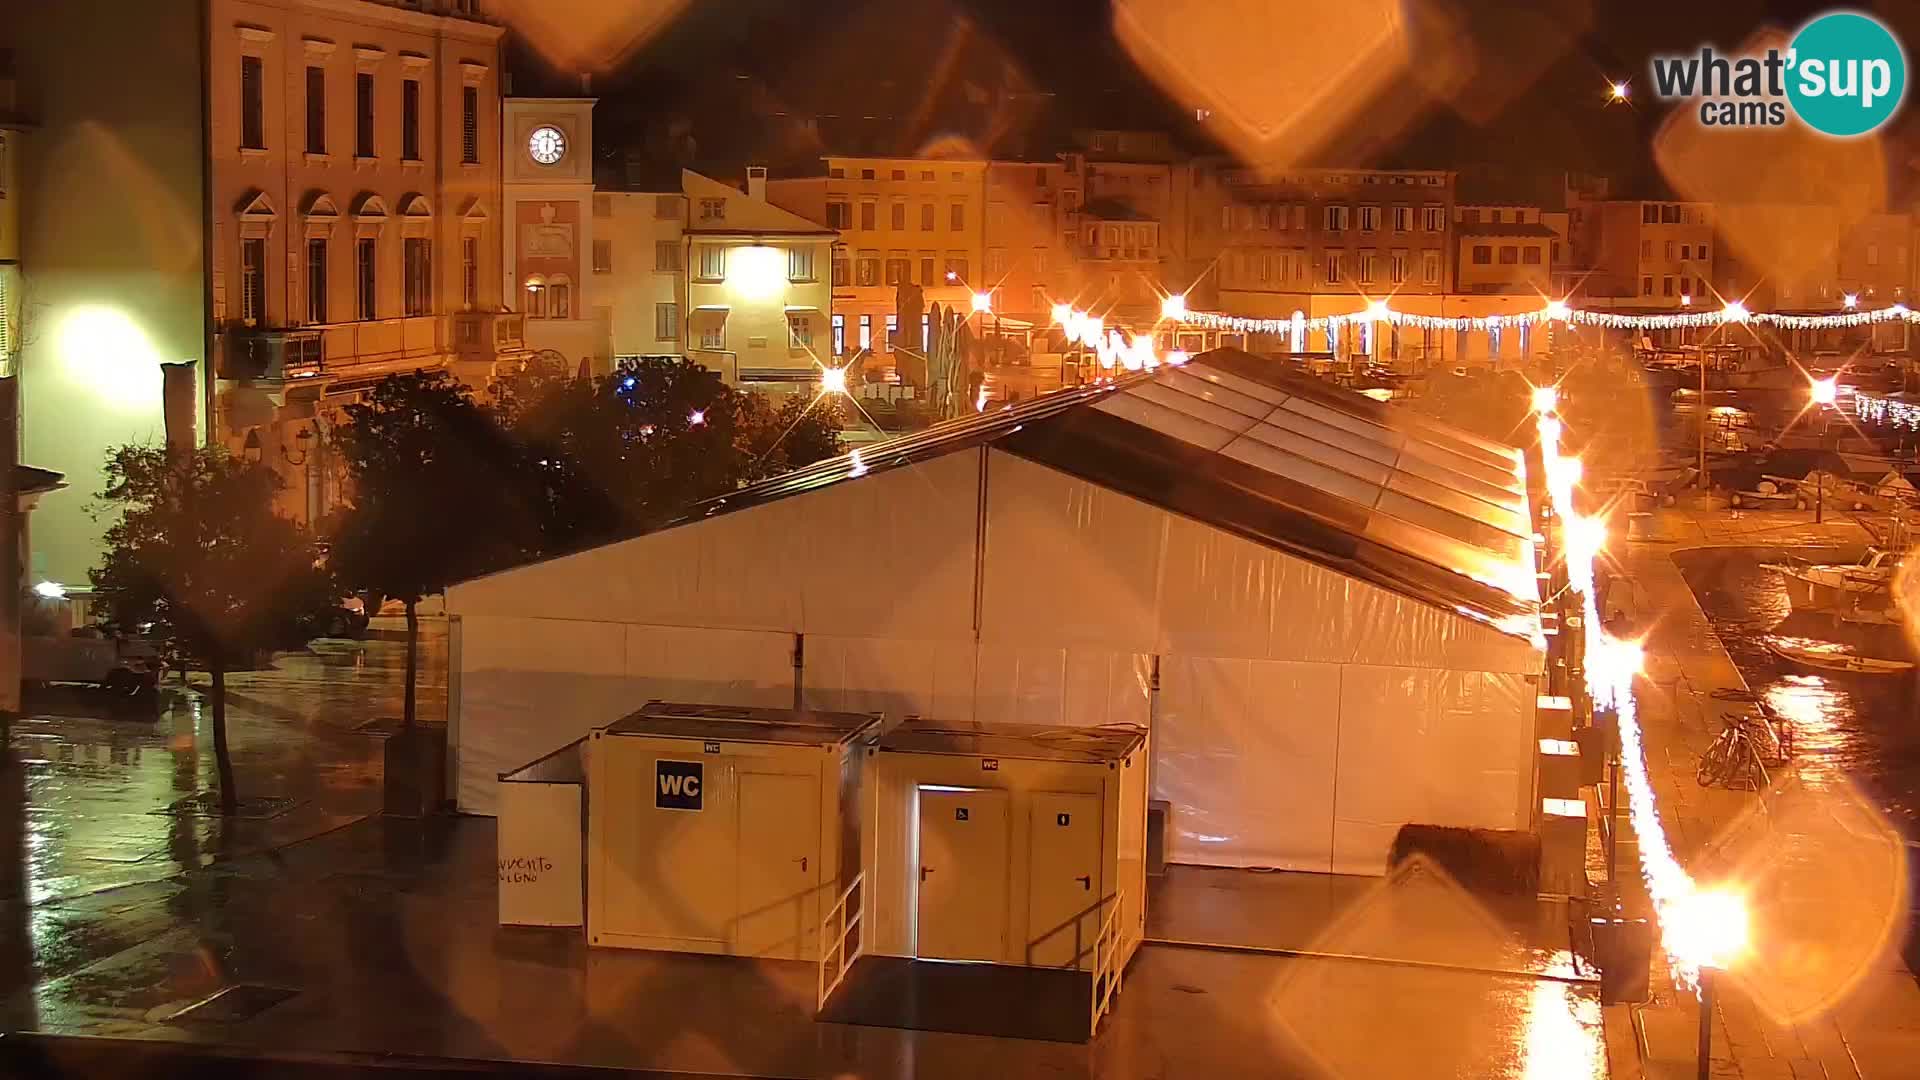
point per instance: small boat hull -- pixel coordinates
(1832, 661)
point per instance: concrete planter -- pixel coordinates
(416, 772)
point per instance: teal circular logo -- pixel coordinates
(1846, 74)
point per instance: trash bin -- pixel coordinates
(1623, 951)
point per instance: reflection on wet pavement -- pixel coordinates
(89, 779)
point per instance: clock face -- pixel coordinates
(547, 145)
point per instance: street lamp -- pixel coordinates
(1618, 91)
(1823, 392)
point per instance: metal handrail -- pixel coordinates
(837, 951)
(1106, 966)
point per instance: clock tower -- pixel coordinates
(548, 257)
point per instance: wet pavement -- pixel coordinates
(99, 794)
(1823, 991)
(383, 936)
(325, 927)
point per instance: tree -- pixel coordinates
(438, 494)
(199, 552)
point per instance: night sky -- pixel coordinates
(1014, 76)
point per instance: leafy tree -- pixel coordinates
(439, 494)
(628, 452)
(199, 552)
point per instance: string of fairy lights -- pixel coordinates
(1553, 311)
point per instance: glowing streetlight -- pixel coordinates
(1852, 300)
(1617, 91)
(1378, 311)
(1545, 399)
(982, 302)
(1558, 310)
(697, 417)
(1174, 307)
(1062, 313)
(833, 380)
(1825, 391)
(1686, 299)
(50, 590)
(1735, 311)
(953, 275)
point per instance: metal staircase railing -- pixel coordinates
(835, 959)
(1106, 965)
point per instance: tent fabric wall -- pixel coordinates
(890, 556)
(530, 685)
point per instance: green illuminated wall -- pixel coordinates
(113, 263)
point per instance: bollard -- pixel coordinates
(1623, 951)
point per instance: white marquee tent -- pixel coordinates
(1323, 608)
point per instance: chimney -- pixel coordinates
(9, 98)
(757, 182)
(586, 84)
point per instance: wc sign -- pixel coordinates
(677, 785)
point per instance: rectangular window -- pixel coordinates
(1333, 267)
(996, 261)
(559, 300)
(1646, 285)
(363, 114)
(366, 279)
(1650, 214)
(926, 217)
(1433, 218)
(800, 263)
(1366, 267)
(839, 215)
(666, 207)
(1369, 219)
(1039, 260)
(799, 332)
(316, 281)
(839, 335)
(1646, 249)
(316, 110)
(897, 214)
(537, 303)
(713, 262)
(470, 272)
(603, 256)
(1873, 254)
(1397, 267)
(666, 254)
(1666, 286)
(253, 286)
(1430, 268)
(842, 267)
(868, 269)
(1403, 219)
(893, 332)
(666, 322)
(1668, 251)
(410, 120)
(868, 212)
(926, 268)
(253, 106)
(470, 124)
(926, 174)
(1226, 218)
(713, 334)
(898, 268)
(417, 254)
(957, 217)
(1530, 255)
(1334, 219)
(1509, 254)
(713, 209)
(956, 268)
(1482, 255)
(866, 332)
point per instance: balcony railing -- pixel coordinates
(282, 353)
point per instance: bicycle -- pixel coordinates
(1735, 759)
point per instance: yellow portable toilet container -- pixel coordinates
(1012, 845)
(720, 829)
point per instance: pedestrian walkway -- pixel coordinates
(1824, 994)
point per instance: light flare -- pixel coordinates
(1545, 399)
(833, 380)
(1824, 391)
(1699, 928)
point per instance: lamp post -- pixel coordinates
(1824, 392)
(1704, 1058)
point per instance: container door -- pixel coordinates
(1063, 902)
(963, 874)
(779, 866)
